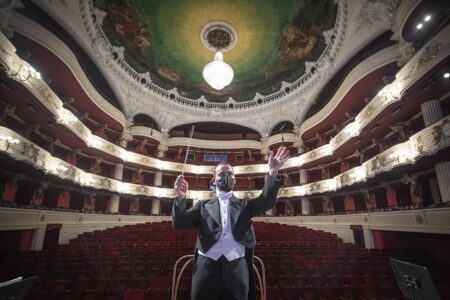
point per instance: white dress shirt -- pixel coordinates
(226, 245)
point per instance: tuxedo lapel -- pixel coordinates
(213, 209)
(235, 210)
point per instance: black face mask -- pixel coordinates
(225, 183)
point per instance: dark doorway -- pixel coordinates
(358, 235)
(51, 235)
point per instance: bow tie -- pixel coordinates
(225, 197)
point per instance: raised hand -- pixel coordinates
(276, 161)
(181, 187)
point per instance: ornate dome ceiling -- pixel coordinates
(151, 55)
(267, 43)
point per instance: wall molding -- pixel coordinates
(436, 220)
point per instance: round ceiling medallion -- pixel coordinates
(218, 36)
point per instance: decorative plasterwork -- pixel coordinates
(374, 62)
(375, 11)
(30, 29)
(179, 110)
(228, 34)
(429, 56)
(225, 145)
(436, 220)
(424, 143)
(120, 66)
(212, 144)
(293, 99)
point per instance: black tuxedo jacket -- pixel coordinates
(205, 215)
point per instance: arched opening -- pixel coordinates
(282, 127)
(145, 120)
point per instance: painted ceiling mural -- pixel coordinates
(273, 41)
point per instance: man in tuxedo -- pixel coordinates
(224, 249)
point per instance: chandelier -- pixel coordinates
(219, 37)
(217, 73)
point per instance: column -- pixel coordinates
(443, 177)
(113, 206)
(156, 206)
(303, 176)
(265, 146)
(306, 207)
(431, 111)
(158, 178)
(163, 145)
(38, 239)
(299, 142)
(114, 201)
(118, 171)
(156, 202)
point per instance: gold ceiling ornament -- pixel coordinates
(218, 37)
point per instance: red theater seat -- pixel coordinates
(309, 293)
(80, 285)
(134, 294)
(370, 293)
(157, 294)
(289, 293)
(112, 295)
(55, 286)
(89, 295)
(272, 292)
(331, 293)
(66, 295)
(350, 293)
(99, 284)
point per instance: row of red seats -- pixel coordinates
(305, 260)
(334, 293)
(132, 294)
